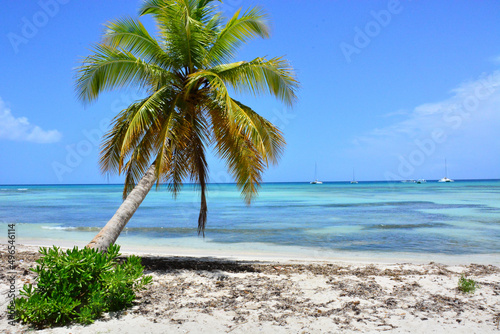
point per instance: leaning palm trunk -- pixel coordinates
(110, 232)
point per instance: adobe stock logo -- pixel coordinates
(77, 152)
(31, 25)
(372, 29)
(452, 119)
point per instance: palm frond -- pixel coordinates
(131, 35)
(139, 162)
(274, 76)
(202, 10)
(244, 160)
(166, 142)
(237, 31)
(111, 147)
(265, 137)
(146, 116)
(154, 7)
(197, 160)
(110, 68)
(199, 174)
(182, 29)
(214, 84)
(177, 169)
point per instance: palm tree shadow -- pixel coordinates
(210, 264)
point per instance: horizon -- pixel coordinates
(234, 183)
(377, 94)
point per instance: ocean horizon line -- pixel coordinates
(234, 183)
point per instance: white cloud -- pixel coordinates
(20, 129)
(464, 124)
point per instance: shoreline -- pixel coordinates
(285, 254)
(228, 295)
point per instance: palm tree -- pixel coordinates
(186, 75)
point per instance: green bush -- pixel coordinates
(467, 285)
(79, 285)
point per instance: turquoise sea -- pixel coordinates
(460, 218)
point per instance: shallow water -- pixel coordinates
(460, 218)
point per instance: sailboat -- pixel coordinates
(445, 178)
(353, 178)
(316, 176)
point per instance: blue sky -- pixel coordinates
(389, 88)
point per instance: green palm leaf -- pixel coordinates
(130, 35)
(237, 31)
(111, 68)
(274, 76)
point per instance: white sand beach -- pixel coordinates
(200, 294)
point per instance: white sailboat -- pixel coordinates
(316, 176)
(353, 178)
(445, 178)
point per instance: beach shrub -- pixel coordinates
(79, 285)
(467, 285)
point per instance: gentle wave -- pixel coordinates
(58, 228)
(71, 228)
(161, 229)
(405, 226)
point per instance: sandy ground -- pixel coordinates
(216, 295)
